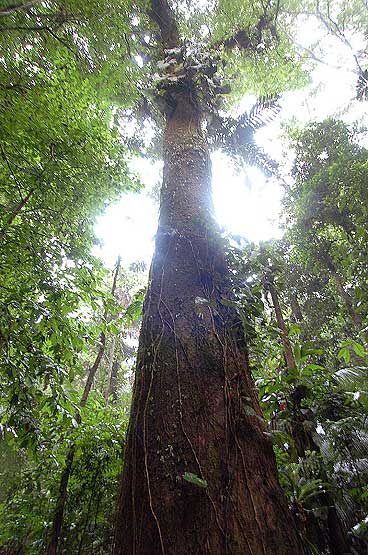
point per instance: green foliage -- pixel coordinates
(134, 310)
(26, 514)
(316, 411)
(61, 161)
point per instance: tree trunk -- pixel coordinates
(111, 390)
(58, 517)
(114, 381)
(355, 317)
(57, 521)
(111, 358)
(346, 298)
(16, 210)
(195, 418)
(296, 308)
(288, 351)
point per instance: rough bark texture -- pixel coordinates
(195, 408)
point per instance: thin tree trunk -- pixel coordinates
(199, 473)
(17, 209)
(303, 440)
(355, 317)
(16, 7)
(109, 376)
(296, 308)
(288, 351)
(88, 515)
(21, 204)
(57, 522)
(346, 298)
(114, 381)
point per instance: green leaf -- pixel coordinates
(344, 354)
(194, 479)
(294, 329)
(359, 349)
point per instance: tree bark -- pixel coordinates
(17, 209)
(57, 521)
(296, 308)
(114, 381)
(194, 407)
(16, 7)
(355, 317)
(109, 374)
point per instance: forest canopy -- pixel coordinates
(216, 402)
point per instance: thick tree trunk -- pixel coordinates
(195, 409)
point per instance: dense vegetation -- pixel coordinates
(80, 84)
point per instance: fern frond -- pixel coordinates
(236, 136)
(263, 112)
(352, 377)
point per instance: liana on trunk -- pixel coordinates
(199, 471)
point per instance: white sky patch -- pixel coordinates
(246, 203)
(127, 229)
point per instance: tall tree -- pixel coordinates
(199, 471)
(326, 206)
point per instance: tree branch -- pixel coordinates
(15, 213)
(11, 9)
(162, 14)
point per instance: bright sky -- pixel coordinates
(246, 203)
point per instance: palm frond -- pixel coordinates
(236, 136)
(263, 112)
(352, 377)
